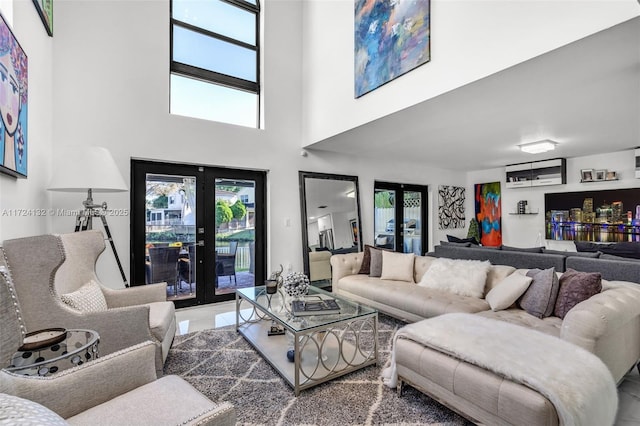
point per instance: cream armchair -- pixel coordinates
(116, 389)
(46, 267)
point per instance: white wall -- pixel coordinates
(522, 231)
(21, 200)
(470, 39)
(111, 89)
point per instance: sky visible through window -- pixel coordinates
(192, 96)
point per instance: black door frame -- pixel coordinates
(399, 215)
(205, 181)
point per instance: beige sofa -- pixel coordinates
(319, 265)
(607, 324)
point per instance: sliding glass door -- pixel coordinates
(199, 229)
(403, 204)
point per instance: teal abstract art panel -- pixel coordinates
(392, 37)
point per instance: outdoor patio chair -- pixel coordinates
(163, 263)
(226, 263)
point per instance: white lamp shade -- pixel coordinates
(79, 168)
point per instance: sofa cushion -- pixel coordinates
(576, 287)
(508, 291)
(523, 249)
(397, 266)
(375, 267)
(594, 255)
(20, 411)
(88, 298)
(463, 277)
(549, 325)
(540, 298)
(449, 243)
(613, 257)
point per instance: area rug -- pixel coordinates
(224, 367)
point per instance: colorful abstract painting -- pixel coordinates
(392, 37)
(13, 104)
(451, 207)
(489, 213)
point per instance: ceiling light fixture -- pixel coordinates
(538, 147)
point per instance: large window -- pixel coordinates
(215, 57)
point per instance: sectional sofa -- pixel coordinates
(607, 324)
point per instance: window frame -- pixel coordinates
(207, 76)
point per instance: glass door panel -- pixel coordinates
(235, 236)
(170, 233)
(404, 204)
(412, 231)
(384, 218)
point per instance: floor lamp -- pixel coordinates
(89, 169)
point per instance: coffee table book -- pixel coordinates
(315, 307)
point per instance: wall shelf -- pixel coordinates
(523, 214)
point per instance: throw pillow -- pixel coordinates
(463, 277)
(496, 274)
(88, 298)
(454, 239)
(576, 287)
(22, 411)
(375, 269)
(540, 298)
(507, 291)
(366, 260)
(397, 266)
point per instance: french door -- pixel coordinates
(406, 205)
(200, 229)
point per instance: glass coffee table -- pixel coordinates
(324, 346)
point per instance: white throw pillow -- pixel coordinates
(463, 277)
(20, 411)
(507, 291)
(397, 266)
(88, 298)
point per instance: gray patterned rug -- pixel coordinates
(224, 367)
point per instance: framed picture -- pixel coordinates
(13, 108)
(45, 10)
(600, 174)
(353, 223)
(611, 175)
(391, 39)
(586, 175)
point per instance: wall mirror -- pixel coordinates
(330, 213)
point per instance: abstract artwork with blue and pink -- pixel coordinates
(392, 37)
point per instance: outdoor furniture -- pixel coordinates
(185, 269)
(226, 263)
(163, 265)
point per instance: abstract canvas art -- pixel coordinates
(392, 37)
(45, 10)
(13, 104)
(489, 213)
(451, 207)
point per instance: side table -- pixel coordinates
(77, 347)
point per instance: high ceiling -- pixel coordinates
(585, 96)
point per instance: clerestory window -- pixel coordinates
(215, 60)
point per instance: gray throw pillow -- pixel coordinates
(375, 266)
(576, 287)
(540, 298)
(523, 249)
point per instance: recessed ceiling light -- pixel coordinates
(538, 147)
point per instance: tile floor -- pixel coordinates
(223, 314)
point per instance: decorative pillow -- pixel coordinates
(496, 274)
(88, 298)
(20, 411)
(454, 239)
(366, 260)
(540, 298)
(463, 277)
(576, 287)
(397, 266)
(375, 269)
(507, 291)
(447, 243)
